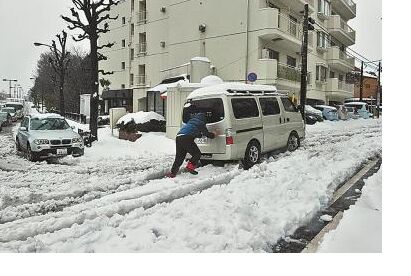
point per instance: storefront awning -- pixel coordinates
(117, 94)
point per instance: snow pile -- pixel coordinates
(360, 230)
(140, 117)
(204, 59)
(211, 80)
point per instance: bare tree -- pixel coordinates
(91, 17)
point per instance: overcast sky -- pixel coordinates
(24, 22)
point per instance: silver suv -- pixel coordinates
(43, 136)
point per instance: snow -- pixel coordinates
(200, 59)
(115, 199)
(211, 80)
(221, 89)
(326, 106)
(140, 117)
(41, 116)
(326, 218)
(360, 229)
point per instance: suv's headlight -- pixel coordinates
(41, 141)
(77, 140)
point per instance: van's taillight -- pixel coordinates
(229, 140)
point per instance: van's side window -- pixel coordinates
(269, 106)
(288, 105)
(245, 108)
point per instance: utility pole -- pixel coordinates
(10, 86)
(379, 91)
(308, 24)
(361, 80)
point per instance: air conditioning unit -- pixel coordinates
(265, 54)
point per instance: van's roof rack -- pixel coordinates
(257, 92)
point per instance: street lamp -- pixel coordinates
(10, 87)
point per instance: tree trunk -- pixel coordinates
(61, 89)
(94, 98)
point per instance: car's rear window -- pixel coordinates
(212, 108)
(245, 108)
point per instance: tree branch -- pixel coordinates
(104, 73)
(108, 45)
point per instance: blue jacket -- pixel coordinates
(196, 127)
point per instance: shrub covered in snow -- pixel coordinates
(142, 122)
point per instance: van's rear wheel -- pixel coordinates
(293, 142)
(252, 155)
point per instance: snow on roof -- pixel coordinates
(355, 103)
(42, 116)
(140, 117)
(200, 59)
(221, 89)
(14, 103)
(163, 87)
(326, 106)
(212, 80)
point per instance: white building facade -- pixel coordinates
(156, 39)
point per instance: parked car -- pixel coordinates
(18, 107)
(313, 115)
(329, 112)
(11, 111)
(5, 119)
(43, 136)
(361, 108)
(352, 113)
(249, 120)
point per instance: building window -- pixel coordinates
(123, 86)
(131, 79)
(322, 39)
(123, 65)
(132, 54)
(321, 73)
(142, 43)
(132, 29)
(123, 20)
(123, 43)
(291, 61)
(132, 5)
(141, 74)
(324, 7)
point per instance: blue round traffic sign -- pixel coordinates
(252, 77)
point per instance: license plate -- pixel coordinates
(202, 140)
(62, 151)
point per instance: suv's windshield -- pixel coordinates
(49, 124)
(212, 108)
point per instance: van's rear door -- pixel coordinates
(213, 108)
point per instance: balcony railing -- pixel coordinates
(287, 72)
(142, 17)
(142, 48)
(343, 86)
(141, 79)
(289, 26)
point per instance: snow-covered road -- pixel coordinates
(114, 198)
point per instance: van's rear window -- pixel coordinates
(212, 108)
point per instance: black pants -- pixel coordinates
(185, 144)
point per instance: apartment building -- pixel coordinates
(155, 40)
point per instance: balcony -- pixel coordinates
(142, 17)
(339, 60)
(142, 48)
(346, 8)
(279, 28)
(270, 71)
(339, 90)
(141, 80)
(298, 5)
(340, 30)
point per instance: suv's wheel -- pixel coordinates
(252, 155)
(31, 156)
(293, 141)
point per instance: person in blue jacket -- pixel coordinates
(194, 128)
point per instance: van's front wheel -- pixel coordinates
(293, 142)
(252, 155)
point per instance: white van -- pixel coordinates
(248, 119)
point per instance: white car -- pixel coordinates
(43, 136)
(248, 120)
